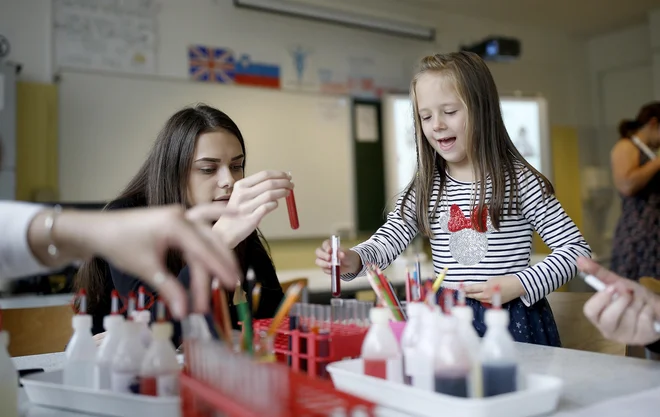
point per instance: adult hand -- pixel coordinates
(510, 289)
(350, 261)
(252, 198)
(137, 241)
(625, 311)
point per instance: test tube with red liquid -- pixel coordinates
(335, 267)
(293, 211)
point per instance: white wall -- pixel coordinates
(552, 64)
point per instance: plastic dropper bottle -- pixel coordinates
(8, 377)
(381, 354)
(410, 339)
(114, 325)
(452, 364)
(422, 375)
(127, 361)
(498, 351)
(159, 374)
(143, 317)
(80, 352)
(465, 316)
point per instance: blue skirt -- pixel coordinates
(534, 324)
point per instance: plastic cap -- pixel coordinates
(161, 331)
(111, 321)
(142, 316)
(82, 321)
(379, 315)
(495, 317)
(463, 313)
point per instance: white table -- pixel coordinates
(589, 378)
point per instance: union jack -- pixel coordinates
(211, 64)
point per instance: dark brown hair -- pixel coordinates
(163, 179)
(648, 112)
(488, 143)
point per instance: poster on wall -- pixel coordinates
(522, 120)
(300, 69)
(106, 35)
(222, 65)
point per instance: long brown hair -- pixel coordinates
(489, 146)
(162, 180)
(648, 112)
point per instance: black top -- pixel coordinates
(654, 347)
(251, 253)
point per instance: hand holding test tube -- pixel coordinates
(623, 310)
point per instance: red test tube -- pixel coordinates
(293, 211)
(335, 267)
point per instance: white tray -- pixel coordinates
(46, 389)
(538, 395)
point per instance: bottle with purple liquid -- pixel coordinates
(452, 364)
(498, 352)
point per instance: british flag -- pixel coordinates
(211, 64)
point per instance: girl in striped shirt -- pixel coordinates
(478, 201)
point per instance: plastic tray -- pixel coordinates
(46, 389)
(539, 394)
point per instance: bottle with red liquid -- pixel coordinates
(292, 209)
(498, 352)
(159, 373)
(381, 354)
(335, 267)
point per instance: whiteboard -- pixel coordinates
(110, 35)
(525, 118)
(109, 122)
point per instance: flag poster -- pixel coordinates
(221, 65)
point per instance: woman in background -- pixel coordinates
(636, 246)
(199, 157)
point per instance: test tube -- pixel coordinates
(336, 309)
(335, 267)
(323, 346)
(293, 210)
(304, 327)
(350, 311)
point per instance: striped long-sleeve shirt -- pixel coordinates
(473, 257)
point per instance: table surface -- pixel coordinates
(589, 378)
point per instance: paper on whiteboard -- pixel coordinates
(366, 123)
(109, 35)
(2, 91)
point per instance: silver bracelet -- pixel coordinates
(49, 223)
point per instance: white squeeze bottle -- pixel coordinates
(8, 377)
(114, 326)
(143, 317)
(465, 316)
(452, 364)
(159, 374)
(410, 339)
(80, 353)
(128, 358)
(498, 352)
(423, 378)
(381, 354)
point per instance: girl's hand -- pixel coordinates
(510, 289)
(625, 311)
(350, 261)
(252, 198)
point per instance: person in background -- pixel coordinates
(636, 244)
(36, 239)
(198, 158)
(625, 311)
(478, 201)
